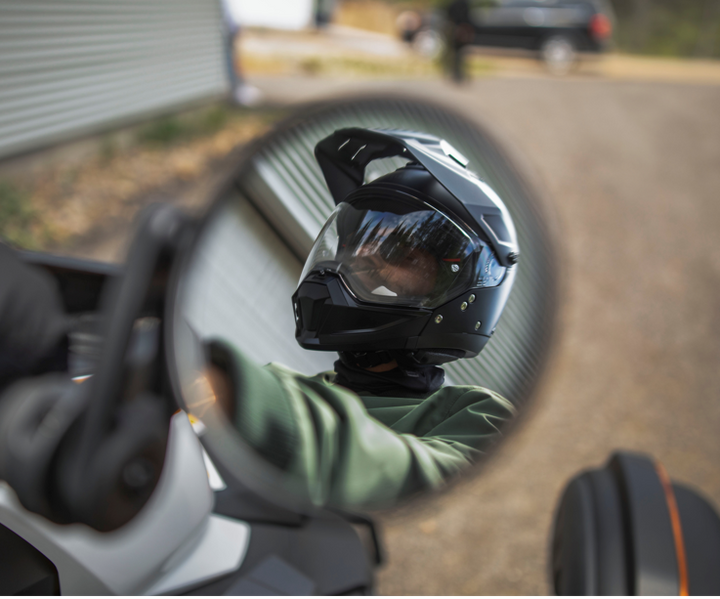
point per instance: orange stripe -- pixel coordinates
(676, 528)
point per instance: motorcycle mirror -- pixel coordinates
(236, 280)
(628, 529)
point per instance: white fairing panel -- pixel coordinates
(164, 537)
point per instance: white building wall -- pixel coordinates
(274, 14)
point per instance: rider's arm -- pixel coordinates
(323, 435)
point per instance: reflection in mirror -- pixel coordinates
(408, 405)
(239, 288)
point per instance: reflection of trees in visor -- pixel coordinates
(418, 256)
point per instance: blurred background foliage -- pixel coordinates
(17, 216)
(687, 28)
(668, 27)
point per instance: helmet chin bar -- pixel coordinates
(329, 318)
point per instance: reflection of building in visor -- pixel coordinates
(404, 253)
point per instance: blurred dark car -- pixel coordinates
(556, 30)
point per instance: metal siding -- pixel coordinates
(73, 66)
(239, 287)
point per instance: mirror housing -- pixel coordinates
(233, 280)
(626, 529)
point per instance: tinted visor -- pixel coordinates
(401, 252)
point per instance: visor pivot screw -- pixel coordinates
(463, 306)
(513, 257)
(438, 319)
(454, 268)
(471, 299)
(322, 272)
(478, 324)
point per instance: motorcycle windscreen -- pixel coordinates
(404, 253)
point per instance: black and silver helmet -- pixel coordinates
(416, 265)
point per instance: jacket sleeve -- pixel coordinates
(323, 435)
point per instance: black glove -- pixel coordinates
(33, 325)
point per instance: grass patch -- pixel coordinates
(410, 66)
(480, 67)
(162, 132)
(173, 129)
(17, 216)
(52, 208)
(343, 66)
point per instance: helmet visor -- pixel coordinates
(402, 253)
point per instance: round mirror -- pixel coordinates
(299, 439)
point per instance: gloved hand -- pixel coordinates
(33, 325)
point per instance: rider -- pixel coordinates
(411, 270)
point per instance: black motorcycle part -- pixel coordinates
(701, 534)
(324, 556)
(624, 530)
(127, 465)
(371, 528)
(36, 415)
(23, 569)
(589, 553)
(81, 282)
(291, 553)
(115, 456)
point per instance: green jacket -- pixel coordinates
(365, 452)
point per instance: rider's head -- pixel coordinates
(415, 266)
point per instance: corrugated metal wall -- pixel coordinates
(239, 287)
(69, 67)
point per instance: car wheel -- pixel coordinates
(559, 54)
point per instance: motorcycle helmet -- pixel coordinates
(416, 265)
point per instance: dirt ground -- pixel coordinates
(631, 165)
